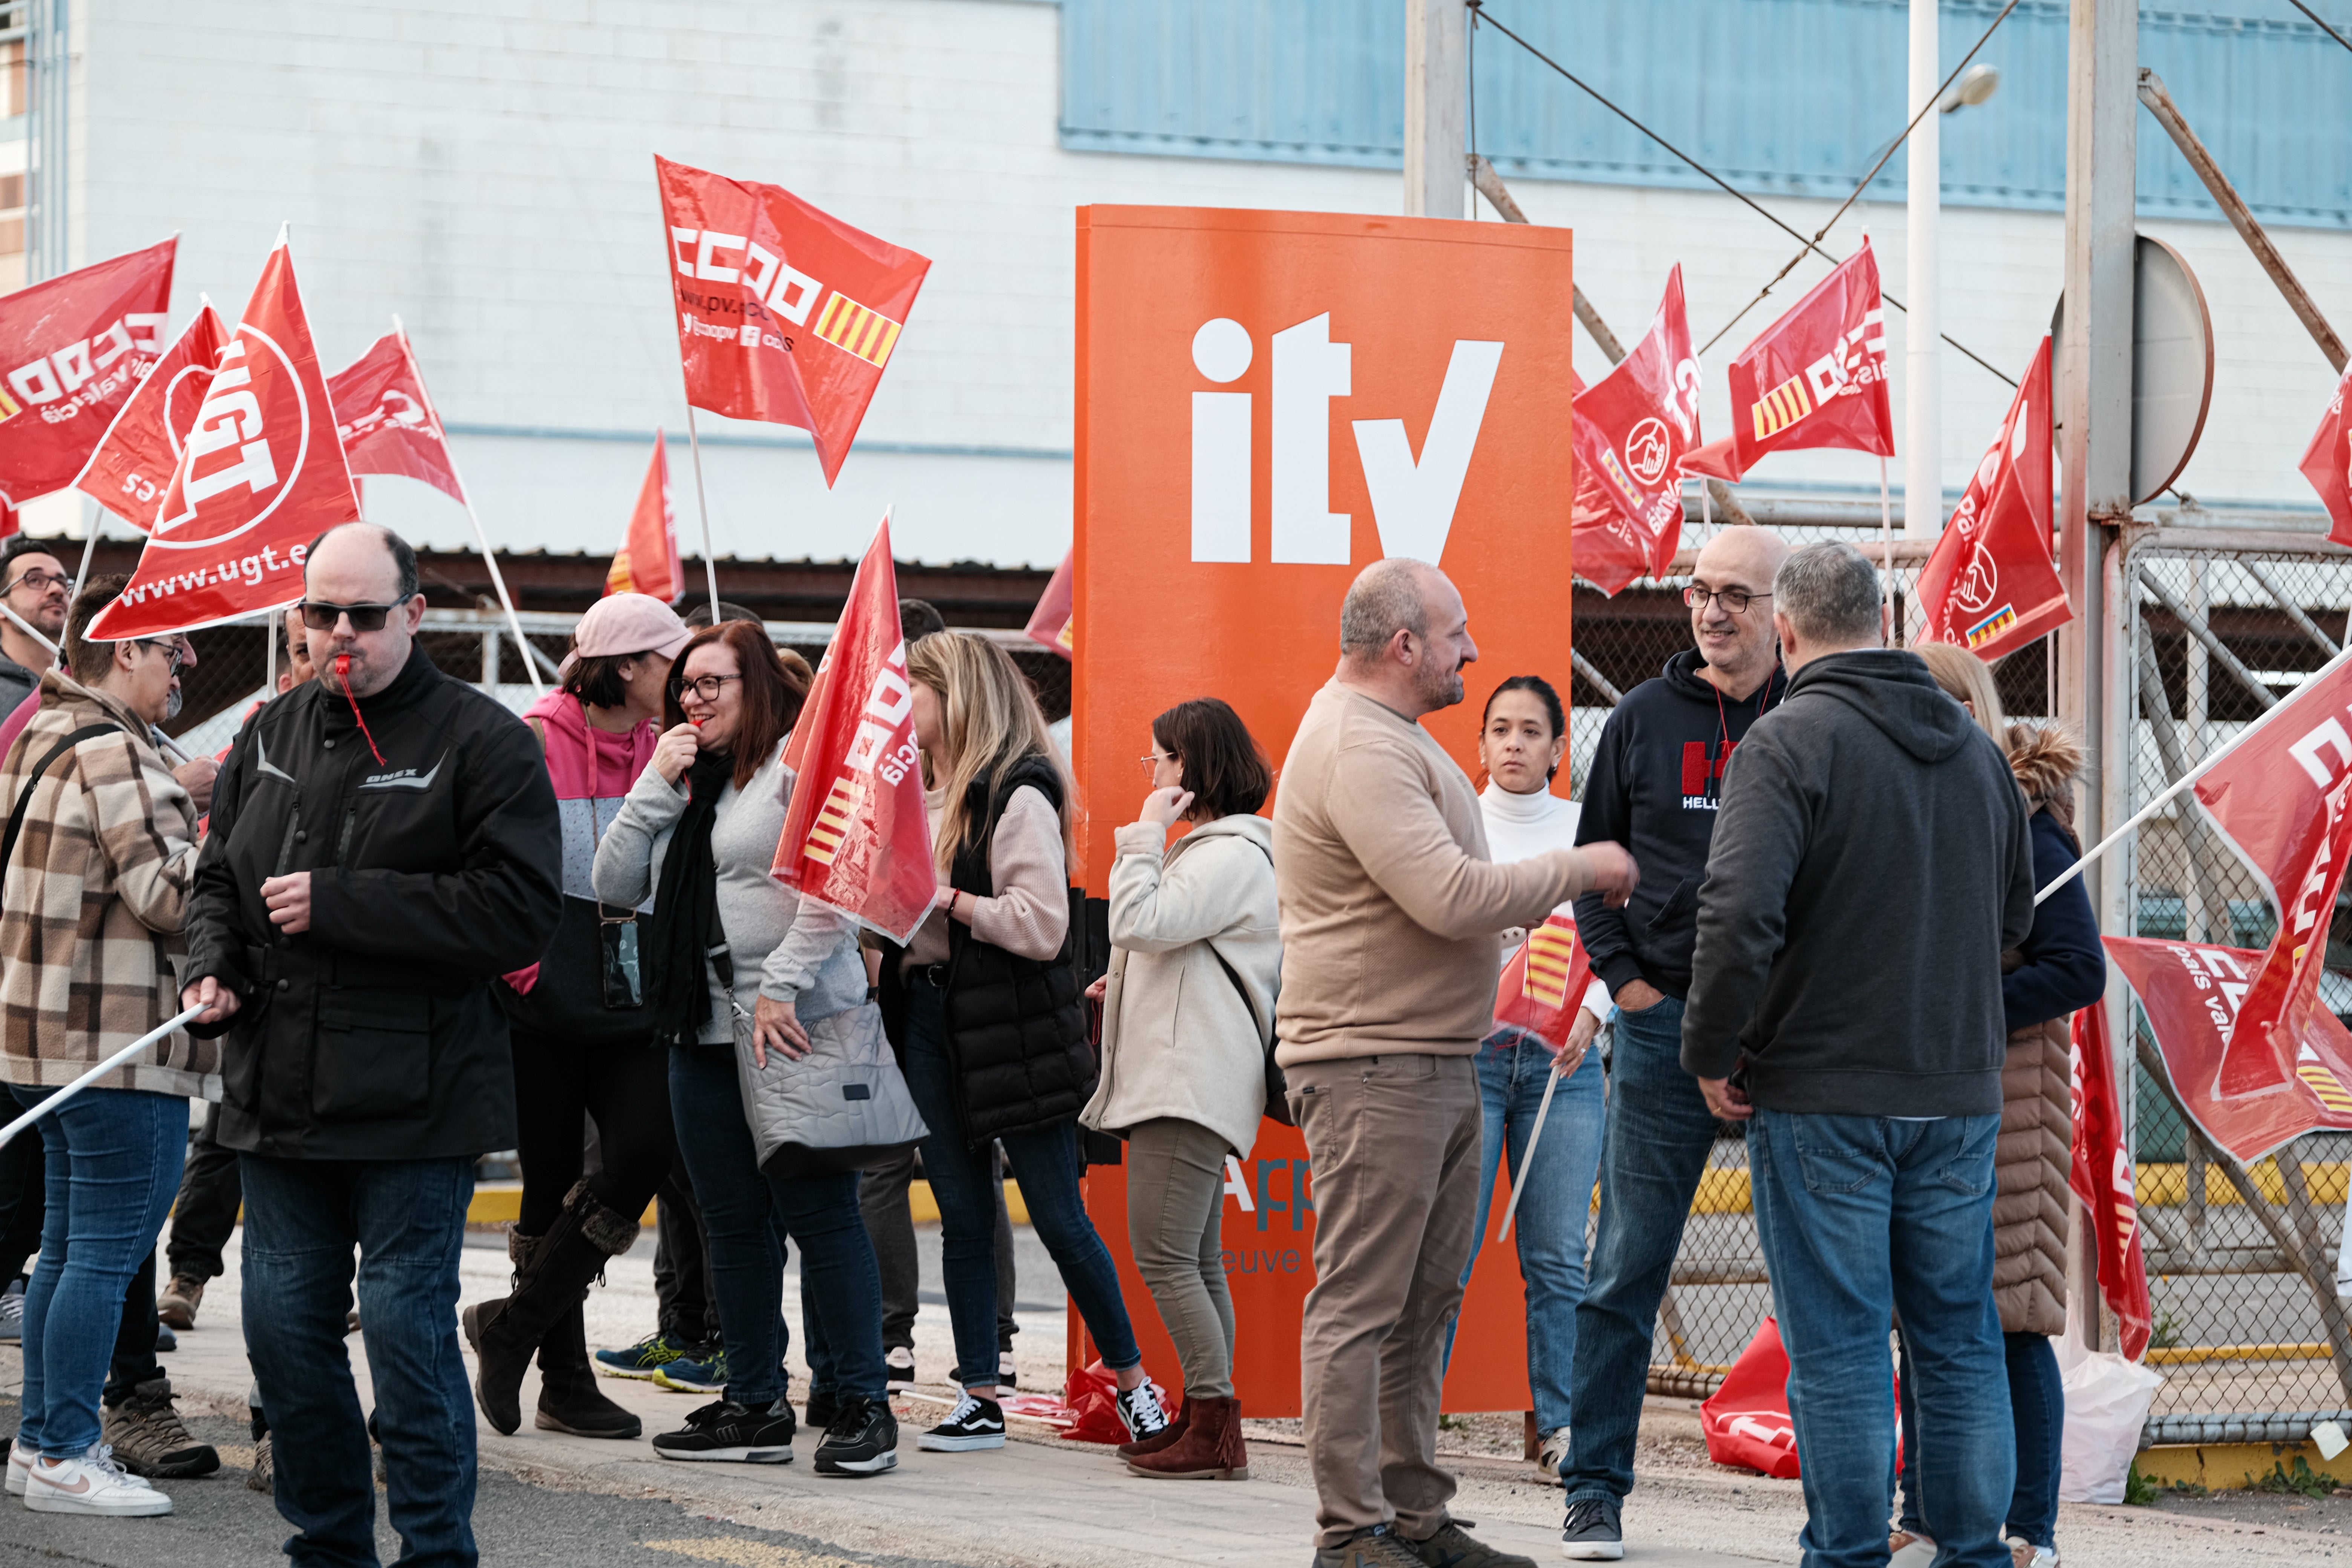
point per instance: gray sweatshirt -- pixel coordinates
(802, 952)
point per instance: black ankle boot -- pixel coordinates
(568, 1399)
(552, 1274)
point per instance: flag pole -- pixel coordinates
(702, 504)
(88, 548)
(1886, 554)
(2185, 780)
(101, 1070)
(29, 630)
(465, 492)
(270, 665)
(1528, 1160)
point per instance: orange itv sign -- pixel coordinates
(1267, 403)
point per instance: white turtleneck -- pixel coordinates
(1519, 826)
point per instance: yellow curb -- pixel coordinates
(2221, 1467)
(500, 1203)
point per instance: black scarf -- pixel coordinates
(686, 909)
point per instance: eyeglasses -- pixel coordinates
(1733, 600)
(706, 687)
(176, 649)
(1151, 763)
(320, 616)
(40, 582)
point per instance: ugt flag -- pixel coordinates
(1631, 430)
(386, 417)
(647, 561)
(1990, 585)
(71, 350)
(2328, 463)
(1545, 983)
(1817, 377)
(784, 314)
(2101, 1177)
(856, 837)
(260, 476)
(133, 461)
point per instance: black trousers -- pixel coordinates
(205, 1215)
(625, 1089)
(882, 1195)
(23, 1200)
(689, 1301)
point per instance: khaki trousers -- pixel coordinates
(1394, 1142)
(1175, 1213)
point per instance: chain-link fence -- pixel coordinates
(2249, 1337)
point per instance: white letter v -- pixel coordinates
(1412, 503)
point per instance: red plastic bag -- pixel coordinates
(1092, 1398)
(1746, 1423)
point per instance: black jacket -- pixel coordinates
(1653, 784)
(1871, 861)
(373, 1035)
(1016, 1027)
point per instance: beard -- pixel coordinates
(174, 703)
(1440, 690)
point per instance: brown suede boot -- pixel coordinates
(553, 1273)
(568, 1399)
(1211, 1448)
(1163, 1439)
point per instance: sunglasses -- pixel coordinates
(321, 617)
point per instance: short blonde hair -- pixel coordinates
(1965, 678)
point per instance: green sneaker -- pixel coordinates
(694, 1372)
(643, 1360)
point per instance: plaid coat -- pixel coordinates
(93, 903)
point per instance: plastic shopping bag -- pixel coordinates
(2107, 1405)
(1091, 1397)
(1746, 1423)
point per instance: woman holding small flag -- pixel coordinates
(1521, 740)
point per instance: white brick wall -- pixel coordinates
(484, 168)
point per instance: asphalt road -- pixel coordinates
(216, 1522)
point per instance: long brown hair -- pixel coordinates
(772, 694)
(989, 720)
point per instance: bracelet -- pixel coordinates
(952, 896)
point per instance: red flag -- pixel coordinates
(386, 417)
(1718, 459)
(1817, 377)
(2325, 464)
(262, 475)
(647, 561)
(73, 349)
(133, 461)
(2102, 1178)
(784, 314)
(856, 837)
(1989, 585)
(1631, 428)
(1545, 983)
(1053, 622)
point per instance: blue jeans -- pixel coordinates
(407, 1219)
(1864, 1217)
(1658, 1135)
(2037, 1406)
(1045, 1162)
(111, 1167)
(749, 1215)
(1548, 1227)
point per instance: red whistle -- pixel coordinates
(343, 664)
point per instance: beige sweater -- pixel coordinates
(1030, 914)
(1391, 910)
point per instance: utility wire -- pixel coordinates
(2324, 27)
(1477, 7)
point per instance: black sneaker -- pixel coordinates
(822, 1405)
(1144, 1410)
(724, 1430)
(861, 1440)
(973, 1424)
(900, 1362)
(1590, 1533)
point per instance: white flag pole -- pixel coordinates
(29, 630)
(93, 1075)
(1887, 555)
(89, 547)
(2188, 778)
(710, 568)
(1527, 1163)
(489, 557)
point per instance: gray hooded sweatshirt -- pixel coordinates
(1871, 859)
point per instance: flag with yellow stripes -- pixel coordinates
(1545, 983)
(867, 334)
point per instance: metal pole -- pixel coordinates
(2153, 93)
(1922, 483)
(710, 567)
(1436, 82)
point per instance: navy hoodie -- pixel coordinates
(1653, 788)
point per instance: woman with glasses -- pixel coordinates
(584, 1040)
(985, 1008)
(1187, 1009)
(698, 833)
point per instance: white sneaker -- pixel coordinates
(20, 1465)
(1554, 1451)
(2026, 1556)
(91, 1484)
(1905, 1550)
(898, 1363)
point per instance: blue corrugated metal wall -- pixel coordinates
(1790, 97)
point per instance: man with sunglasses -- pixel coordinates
(384, 843)
(1655, 781)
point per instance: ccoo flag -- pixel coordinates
(133, 461)
(1989, 585)
(1630, 429)
(1817, 377)
(1544, 983)
(785, 312)
(386, 417)
(857, 837)
(72, 349)
(262, 474)
(1053, 622)
(2101, 1176)
(647, 561)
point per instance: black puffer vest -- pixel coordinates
(1016, 1027)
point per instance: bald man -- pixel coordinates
(1653, 787)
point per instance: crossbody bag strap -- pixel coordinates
(25, 801)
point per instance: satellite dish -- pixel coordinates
(2172, 365)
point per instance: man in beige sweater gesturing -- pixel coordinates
(1391, 918)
